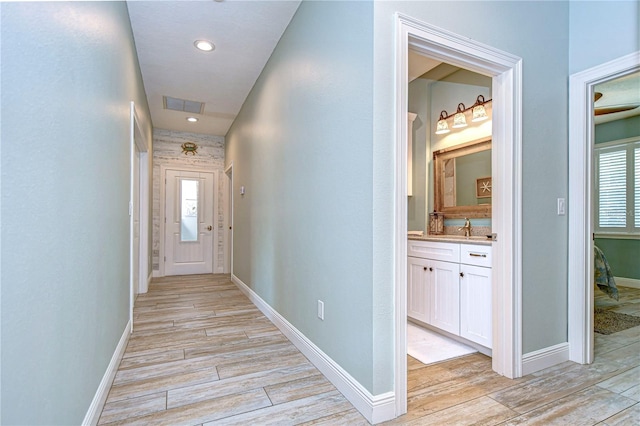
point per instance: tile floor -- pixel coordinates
(202, 353)
(428, 346)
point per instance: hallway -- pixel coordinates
(202, 352)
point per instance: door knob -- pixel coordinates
(209, 228)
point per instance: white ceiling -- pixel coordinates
(420, 64)
(621, 91)
(244, 33)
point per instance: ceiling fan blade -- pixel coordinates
(596, 96)
(614, 108)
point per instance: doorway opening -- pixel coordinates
(139, 262)
(449, 298)
(505, 71)
(581, 187)
(228, 224)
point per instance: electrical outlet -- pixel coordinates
(321, 309)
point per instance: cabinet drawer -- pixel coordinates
(448, 252)
(478, 255)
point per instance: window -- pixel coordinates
(189, 207)
(617, 187)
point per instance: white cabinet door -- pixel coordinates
(445, 296)
(418, 296)
(475, 304)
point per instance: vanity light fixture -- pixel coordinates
(192, 119)
(204, 45)
(478, 112)
(459, 119)
(442, 126)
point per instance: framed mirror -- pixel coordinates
(462, 180)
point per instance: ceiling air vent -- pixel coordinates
(184, 105)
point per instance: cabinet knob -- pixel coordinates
(425, 268)
(431, 269)
(462, 274)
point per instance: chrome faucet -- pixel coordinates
(466, 228)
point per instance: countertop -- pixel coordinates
(479, 240)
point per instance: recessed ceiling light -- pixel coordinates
(192, 119)
(204, 45)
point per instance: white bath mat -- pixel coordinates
(428, 347)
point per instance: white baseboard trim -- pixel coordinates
(627, 282)
(544, 358)
(95, 409)
(375, 409)
(156, 274)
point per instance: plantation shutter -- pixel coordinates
(612, 189)
(617, 187)
(636, 171)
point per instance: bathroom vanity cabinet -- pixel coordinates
(449, 287)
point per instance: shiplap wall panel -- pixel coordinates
(167, 151)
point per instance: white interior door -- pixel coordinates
(189, 217)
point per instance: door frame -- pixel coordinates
(580, 253)
(506, 71)
(138, 142)
(228, 220)
(163, 227)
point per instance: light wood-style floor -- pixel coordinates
(202, 353)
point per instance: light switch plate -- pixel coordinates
(561, 205)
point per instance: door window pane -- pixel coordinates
(189, 209)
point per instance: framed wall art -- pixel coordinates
(483, 187)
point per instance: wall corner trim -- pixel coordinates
(544, 358)
(375, 409)
(97, 404)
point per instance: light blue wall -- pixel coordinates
(515, 27)
(69, 72)
(301, 146)
(622, 256)
(618, 129)
(601, 31)
(313, 145)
